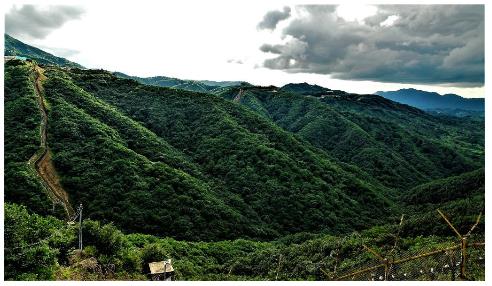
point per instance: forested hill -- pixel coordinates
(399, 145)
(14, 47)
(288, 168)
(190, 85)
(139, 155)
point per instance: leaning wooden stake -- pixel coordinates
(449, 223)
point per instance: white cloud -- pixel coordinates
(355, 12)
(389, 21)
(191, 40)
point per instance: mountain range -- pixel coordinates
(434, 102)
(155, 160)
(190, 85)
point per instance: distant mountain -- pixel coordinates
(309, 89)
(190, 85)
(14, 47)
(222, 83)
(451, 104)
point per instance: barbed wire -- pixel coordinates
(464, 260)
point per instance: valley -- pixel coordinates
(232, 181)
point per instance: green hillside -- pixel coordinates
(227, 183)
(21, 121)
(14, 47)
(397, 144)
(189, 85)
(210, 168)
(310, 90)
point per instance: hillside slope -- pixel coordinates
(397, 144)
(210, 169)
(189, 85)
(22, 121)
(462, 197)
(14, 47)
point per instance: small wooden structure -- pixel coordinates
(162, 270)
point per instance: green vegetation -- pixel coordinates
(22, 119)
(463, 196)
(251, 177)
(227, 190)
(397, 144)
(109, 254)
(189, 85)
(34, 245)
(309, 90)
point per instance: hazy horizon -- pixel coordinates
(356, 48)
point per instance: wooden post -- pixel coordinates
(386, 269)
(450, 224)
(464, 243)
(80, 227)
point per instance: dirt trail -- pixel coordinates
(42, 159)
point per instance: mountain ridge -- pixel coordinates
(206, 86)
(14, 47)
(433, 101)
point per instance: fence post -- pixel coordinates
(80, 227)
(463, 257)
(386, 269)
(463, 239)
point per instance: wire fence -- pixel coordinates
(462, 260)
(440, 264)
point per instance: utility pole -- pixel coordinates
(80, 227)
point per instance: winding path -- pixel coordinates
(42, 158)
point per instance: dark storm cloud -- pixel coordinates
(35, 22)
(271, 19)
(427, 44)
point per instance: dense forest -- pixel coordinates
(399, 145)
(225, 182)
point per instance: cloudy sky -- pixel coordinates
(357, 48)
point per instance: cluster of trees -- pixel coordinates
(462, 196)
(45, 248)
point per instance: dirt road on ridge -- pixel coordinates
(42, 159)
